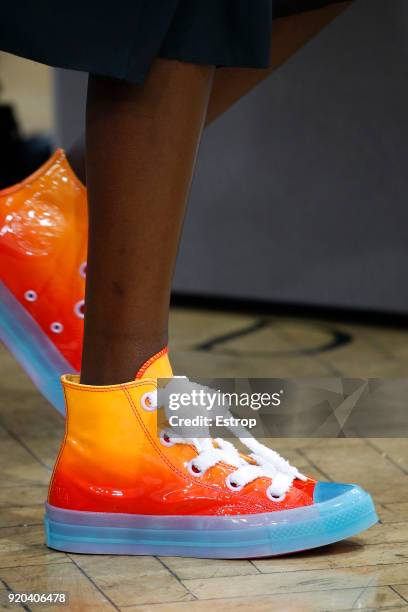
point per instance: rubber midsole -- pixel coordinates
(217, 536)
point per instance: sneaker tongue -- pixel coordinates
(157, 366)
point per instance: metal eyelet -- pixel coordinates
(275, 498)
(165, 439)
(82, 269)
(79, 309)
(149, 401)
(30, 295)
(56, 327)
(194, 470)
(232, 484)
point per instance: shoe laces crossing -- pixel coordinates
(261, 462)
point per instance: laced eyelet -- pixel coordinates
(194, 470)
(275, 498)
(149, 402)
(56, 327)
(79, 309)
(30, 295)
(232, 484)
(82, 269)
(165, 439)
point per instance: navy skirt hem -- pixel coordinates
(121, 39)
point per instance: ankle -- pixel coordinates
(118, 362)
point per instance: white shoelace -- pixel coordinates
(264, 462)
(267, 463)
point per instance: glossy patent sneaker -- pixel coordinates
(43, 240)
(120, 488)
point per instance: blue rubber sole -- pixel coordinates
(32, 349)
(228, 537)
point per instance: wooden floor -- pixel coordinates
(369, 572)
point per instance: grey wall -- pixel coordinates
(301, 188)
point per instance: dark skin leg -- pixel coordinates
(142, 143)
(141, 148)
(230, 84)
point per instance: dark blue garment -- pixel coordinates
(121, 38)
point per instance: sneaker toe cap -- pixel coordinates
(324, 491)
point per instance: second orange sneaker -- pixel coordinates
(43, 243)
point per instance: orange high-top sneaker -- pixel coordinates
(119, 487)
(43, 241)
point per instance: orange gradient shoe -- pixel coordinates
(43, 243)
(121, 487)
